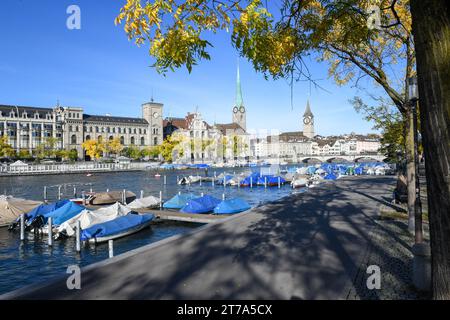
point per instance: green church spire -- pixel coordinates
(239, 100)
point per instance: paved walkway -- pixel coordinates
(305, 246)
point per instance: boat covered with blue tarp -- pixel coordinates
(231, 206)
(178, 201)
(203, 204)
(64, 213)
(44, 209)
(119, 227)
(271, 180)
(330, 176)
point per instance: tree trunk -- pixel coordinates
(410, 168)
(431, 29)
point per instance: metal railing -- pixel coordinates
(71, 167)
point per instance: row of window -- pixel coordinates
(73, 140)
(114, 130)
(24, 115)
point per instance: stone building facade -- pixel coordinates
(28, 127)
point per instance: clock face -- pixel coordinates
(307, 120)
(235, 109)
(242, 109)
(155, 115)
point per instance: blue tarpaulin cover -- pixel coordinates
(359, 170)
(179, 201)
(116, 226)
(271, 180)
(64, 213)
(330, 176)
(203, 204)
(230, 206)
(44, 209)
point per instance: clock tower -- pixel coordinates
(239, 112)
(308, 122)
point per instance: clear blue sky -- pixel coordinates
(97, 68)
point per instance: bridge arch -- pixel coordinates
(337, 159)
(311, 160)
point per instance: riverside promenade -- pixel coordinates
(315, 245)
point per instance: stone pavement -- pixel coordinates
(306, 246)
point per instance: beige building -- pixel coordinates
(28, 127)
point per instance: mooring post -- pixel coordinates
(201, 194)
(124, 195)
(22, 227)
(142, 194)
(224, 181)
(265, 182)
(179, 193)
(177, 179)
(160, 200)
(78, 235)
(212, 181)
(45, 193)
(165, 179)
(200, 181)
(83, 197)
(74, 192)
(91, 190)
(50, 231)
(111, 248)
(251, 182)
(107, 190)
(279, 182)
(59, 192)
(223, 196)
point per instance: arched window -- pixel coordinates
(122, 140)
(88, 137)
(140, 131)
(132, 140)
(73, 139)
(96, 129)
(142, 141)
(155, 141)
(100, 138)
(70, 128)
(111, 138)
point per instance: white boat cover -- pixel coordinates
(11, 208)
(89, 218)
(147, 202)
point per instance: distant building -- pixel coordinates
(28, 127)
(292, 145)
(193, 126)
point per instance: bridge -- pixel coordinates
(331, 158)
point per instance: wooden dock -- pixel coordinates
(174, 215)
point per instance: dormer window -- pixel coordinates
(12, 114)
(24, 115)
(36, 115)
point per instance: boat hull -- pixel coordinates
(120, 234)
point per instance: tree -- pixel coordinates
(151, 152)
(6, 150)
(172, 145)
(340, 33)
(94, 148)
(47, 148)
(431, 29)
(133, 152)
(114, 146)
(337, 32)
(24, 154)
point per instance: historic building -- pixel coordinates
(28, 127)
(293, 145)
(193, 127)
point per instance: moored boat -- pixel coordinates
(205, 204)
(231, 206)
(11, 208)
(117, 228)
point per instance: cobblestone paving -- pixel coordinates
(390, 249)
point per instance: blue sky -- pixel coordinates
(97, 68)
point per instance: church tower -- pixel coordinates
(308, 122)
(239, 112)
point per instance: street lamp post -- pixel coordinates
(421, 250)
(413, 99)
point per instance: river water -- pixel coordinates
(33, 261)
